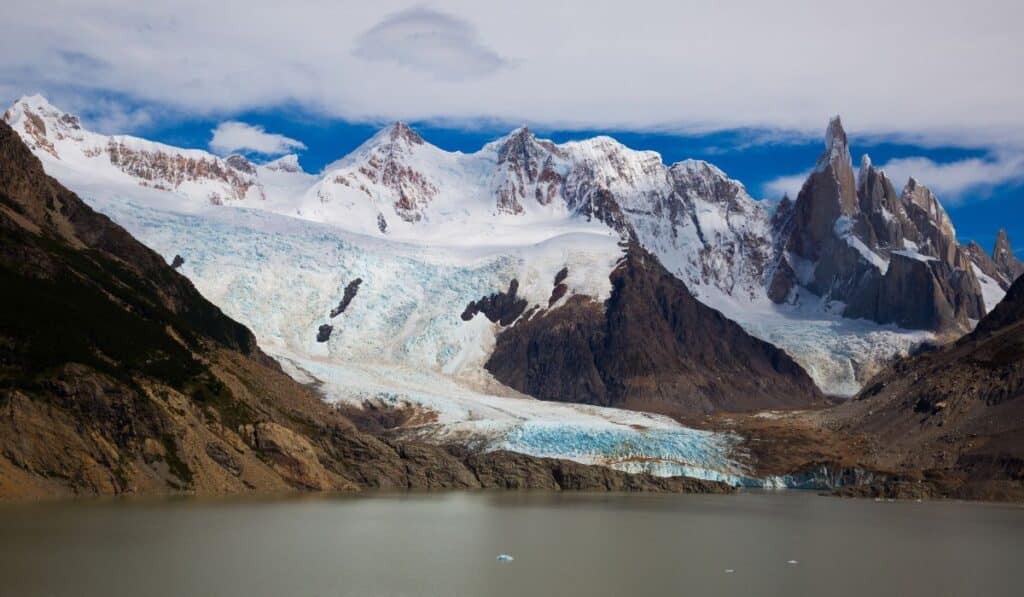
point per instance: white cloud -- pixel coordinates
(955, 182)
(952, 182)
(238, 136)
(943, 69)
(423, 39)
(784, 185)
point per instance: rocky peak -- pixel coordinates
(938, 237)
(889, 258)
(520, 146)
(883, 210)
(41, 123)
(699, 179)
(526, 170)
(287, 163)
(828, 194)
(240, 163)
(915, 193)
(835, 139)
(984, 263)
(1006, 263)
(388, 168)
(865, 168)
(399, 132)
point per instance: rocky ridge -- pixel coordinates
(190, 172)
(650, 346)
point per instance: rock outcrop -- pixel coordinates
(650, 346)
(351, 289)
(889, 258)
(501, 307)
(1007, 264)
(60, 135)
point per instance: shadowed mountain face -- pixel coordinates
(117, 376)
(890, 258)
(650, 346)
(956, 412)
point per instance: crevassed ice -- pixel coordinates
(402, 339)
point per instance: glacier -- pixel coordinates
(401, 341)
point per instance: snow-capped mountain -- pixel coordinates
(192, 173)
(404, 199)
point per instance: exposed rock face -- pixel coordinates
(117, 376)
(350, 293)
(501, 307)
(385, 163)
(988, 267)
(150, 164)
(526, 171)
(560, 287)
(323, 333)
(1002, 267)
(238, 162)
(890, 258)
(888, 222)
(1006, 263)
(956, 412)
(650, 346)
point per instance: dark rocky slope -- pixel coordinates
(956, 413)
(117, 376)
(650, 346)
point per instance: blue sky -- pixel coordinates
(756, 158)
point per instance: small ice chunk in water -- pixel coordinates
(792, 562)
(729, 571)
(504, 557)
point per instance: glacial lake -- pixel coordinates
(446, 544)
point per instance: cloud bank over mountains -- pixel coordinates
(954, 182)
(926, 68)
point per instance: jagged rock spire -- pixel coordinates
(1002, 254)
(835, 135)
(400, 131)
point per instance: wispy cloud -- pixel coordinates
(962, 180)
(953, 182)
(238, 136)
(441, 45)
(784, 185)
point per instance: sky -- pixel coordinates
(929, 88)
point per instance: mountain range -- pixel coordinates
(586, 274)
(117, 376)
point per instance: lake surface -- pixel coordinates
(446, 544)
